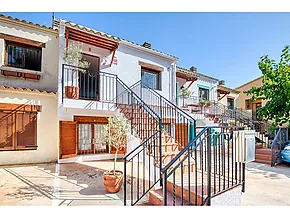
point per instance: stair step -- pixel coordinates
(263, 157)
(156, 198)
(266, 151)
(268, 162)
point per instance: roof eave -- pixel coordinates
(26, 24)
(147, 50)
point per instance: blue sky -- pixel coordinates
(222, 45)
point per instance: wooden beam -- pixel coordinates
(190, 84)
(112, 57)
(91, 42)
(90, 38)
(87, 35)
(17, 39)
(91, 119)
(150, 66)
(20, 107)
(220, 98)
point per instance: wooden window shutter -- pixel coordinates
(6, 131)
(68, 139)
(26, 130)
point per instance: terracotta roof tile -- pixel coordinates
(186, 72)
(109, 36)
(150, 49)
(80, 27)
(11, 88)
(24, 21)
(198, 74)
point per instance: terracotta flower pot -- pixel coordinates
(112, 182)
(72, 92)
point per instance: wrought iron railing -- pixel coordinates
(183, 101)
(142, 164)
(278, 145)
(88, 84)
(209, 165)
(175, 121)
(81, 83)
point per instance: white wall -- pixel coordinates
(127, 67)
(212, 84)
(47, 128)
(48, 80)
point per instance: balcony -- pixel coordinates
(87, 88)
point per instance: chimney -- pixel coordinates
(221, 82)
(193, 69)
(147, 45)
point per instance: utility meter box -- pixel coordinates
(250, 145)
(245, 146)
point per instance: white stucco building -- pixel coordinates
(28, 85)
(86, 100)
(200, 86)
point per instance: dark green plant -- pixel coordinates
(275, 89)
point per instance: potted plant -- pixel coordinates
(202, 102)
(185, 93)
(207, 103)
(116, 136)
(73, 57)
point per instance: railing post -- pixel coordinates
(208, 167)
(235, 117)
(132, 113)
(160, 150)
(244, 177)
(62, 83)
(165, 189)
(125, 185)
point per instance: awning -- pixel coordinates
(185, 74)
(81, 36)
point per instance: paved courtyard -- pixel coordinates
(82, 184)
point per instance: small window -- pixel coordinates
(23, 56)
(204, 94)
(151, 79)
(18, 131)
(230, 103)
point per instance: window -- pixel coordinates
(204, 94)
(230, 103)
(23, 56)
(151, 79)
(18, 130)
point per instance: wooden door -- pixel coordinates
(68, 139)
(181, 133)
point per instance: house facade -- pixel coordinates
(227, 96)
(28, 86)
(244, 102)
(200, 86)
(114, 63)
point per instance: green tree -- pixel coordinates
(275, 89)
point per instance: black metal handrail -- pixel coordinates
(142, 178)
(278, 145)
(206, 167)
(176, 122)
(88, 84)
(109, 88)
(147, 124)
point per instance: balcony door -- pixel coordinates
(91, 138)
(89, 81)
